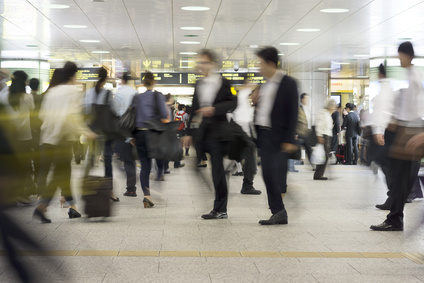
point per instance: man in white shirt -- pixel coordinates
(212, 100)
(122, 101)
(404, 164)
(275, 121)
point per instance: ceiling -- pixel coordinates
(141, 34)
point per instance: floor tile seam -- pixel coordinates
(415, 257)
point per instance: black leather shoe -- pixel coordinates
(167, 172)
(238, 174)
(385, 227)
(321, 178)
(202, 166)
(278, 218)
(38, 214)
(215, 215)
(180, 166)
(383, 206)
(250, 191)
(73, 213)
(130, 194)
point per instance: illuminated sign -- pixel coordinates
(83, 74)
(191, 78)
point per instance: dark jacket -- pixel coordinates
(284, 113)
(351, 124)
(336, 124)
(217, 127)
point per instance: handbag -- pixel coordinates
(311, 139)
(318, 155)
(104, 121)
(297, 154)
(162, 140)
(127, 121)
(238, 143)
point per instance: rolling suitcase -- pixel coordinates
(341, 154)
(96, 194)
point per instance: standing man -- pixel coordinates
(212, 100)
(351, 124)
(405, 152)
(275, 121)
(123, 98)
(303, 127)
(336, 129)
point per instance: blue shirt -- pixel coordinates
(147, 109)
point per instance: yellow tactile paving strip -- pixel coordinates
(415, 257)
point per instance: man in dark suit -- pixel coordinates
(336, 129)
(275, 120)
(212, 100)
(351, 124)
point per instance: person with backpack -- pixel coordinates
(94, 97)
(149, 105)
(181, 116)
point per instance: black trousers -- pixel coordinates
(351, 150)
(320, 169)
(125, 152)
(303, 141)
(273, 170)
(249, 166)
(404, 174)
(217, 150)
(334, 142)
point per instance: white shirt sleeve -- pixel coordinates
(383, 109)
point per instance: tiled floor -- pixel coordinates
(327, 238)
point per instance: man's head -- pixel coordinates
(34, 84)
(125, 78)
(181, 107)
(406, 54)
(304, 99)
(381, 72)
(206, 62)
(268, 61)
(349, 106)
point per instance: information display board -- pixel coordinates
(191, 78)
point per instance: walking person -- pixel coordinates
(149, 105)
(324, 128)
(353, 130)
(62, 124)
(276, 118)
(122, 101)
(303, 127)
(404, 165)
(336, 129)
(212, 100)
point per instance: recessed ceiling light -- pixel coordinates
(334, 10)
(31, 45)
(186, 61)
(324, 69)
(253, 46)
(308, 29)
(74, 26)
(188, 53)
(192, 28)
(100, 52)
(361, 55)
(195, 8)
(289, 43)
(189, 42)
(185, 67)
(58, 6)
(280, 54)
(89, 40)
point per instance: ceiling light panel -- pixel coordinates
(195, 8)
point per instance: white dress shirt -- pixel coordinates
(208, 88)
(383, 108)
(267, 94)
(243, 114)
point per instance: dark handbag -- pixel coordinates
(104, 121)
(312, 139)
(238, 143)
(296, 155)
(162, 140)
(127, 121)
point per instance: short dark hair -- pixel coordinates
(407, 48)
(125, 77)
(34, 84)
(210, 54)
(68, 71)
(382, 70)
(302, 96)
(180, 107)
(269, 54)
(149, 79)
(350, 106)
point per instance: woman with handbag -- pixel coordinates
(324, 130)
(149, 105)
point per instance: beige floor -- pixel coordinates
(327, 238)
